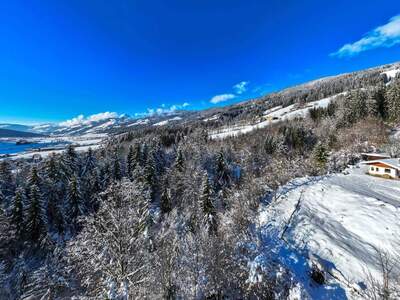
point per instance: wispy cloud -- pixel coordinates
(386, 36)
(222, 98)
(240, 87)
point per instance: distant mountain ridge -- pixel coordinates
(108, 122)
(8, 133)
(97, 124)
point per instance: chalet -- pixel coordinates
(388, 168)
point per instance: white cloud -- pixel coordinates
(386, 35)
(162, 110)
(221, 98)
(81, 120)
(240, 87)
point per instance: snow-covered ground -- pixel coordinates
(165, 122)
(271, 116)
(341, 221)
(391, 73)
(82, 143)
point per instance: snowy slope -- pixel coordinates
(342, 220)
(391, 73)
(271, 116)
(165, 122)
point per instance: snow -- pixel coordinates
(271, 116)
(165, 122)
(82, 143)
(140, 122)
(391, 73)
(213, 118)
(44, 154)
(341, 221)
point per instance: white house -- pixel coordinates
(389, 168)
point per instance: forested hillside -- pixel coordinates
(166, 212)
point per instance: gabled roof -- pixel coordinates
(392, 162)
(383, 155)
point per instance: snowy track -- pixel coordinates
(342, 221)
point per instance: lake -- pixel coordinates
(9, 147)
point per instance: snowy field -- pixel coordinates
(271, 116)
(82, 143)
(339, 220)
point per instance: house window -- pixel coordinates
(377, 169)
(372, 169)
(387, 171)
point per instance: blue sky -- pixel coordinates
(60, 59)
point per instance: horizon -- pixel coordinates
(66, 59)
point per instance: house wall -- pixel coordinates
(380, 170)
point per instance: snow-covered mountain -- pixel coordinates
(106, 122)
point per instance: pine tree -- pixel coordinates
(69, 163)
(221, 171)
(116, 165)
(51, 168)
(34, 177)
(372, 103)
(393, 101)
(179, 161)
(143, 155)
(74, 201)
(149, 174)
(165, 201)
(17, 214)
(5, 172)
(270, 144)
(6, 181)
(130, 163)
(90, 162)
(35, 224)
(207, 204)
(321, 155)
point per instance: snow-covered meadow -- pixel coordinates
(82, 143)
(271, 116)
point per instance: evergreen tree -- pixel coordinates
(90, 162)
(143, 155)
(270, 144)
(55, 217)
(69, 163)
(116, 165)
(35, 224)
(393, 101)
(130, 163)
(6, 181)
(321, 155)
(207, 204)
(76, 207)
(34, 177)
(179, 161)
(5, 172)
(165, 200)
(51, 168)
(372, 103)
(221, 172)
(149, 174)
(17, 214)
